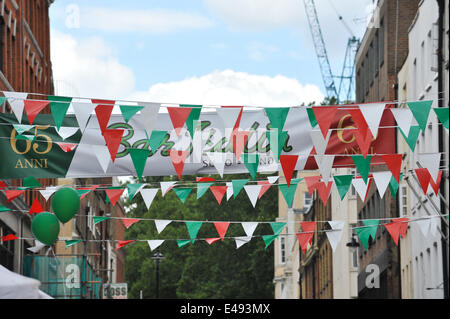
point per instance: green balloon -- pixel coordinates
(45, 227)
(65, 204)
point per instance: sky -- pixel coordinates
(217, 52)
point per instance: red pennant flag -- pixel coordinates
(288, 163)
(35, 207)
(103, 112)
(211, 240)
(424, 178)
(238, 120)
(394, 163)
(66, 147)
(114, 194)
(404, 225)
(178, 158)
(33, 108)
(364, 142)
(222, 228)
(13, 194)
(129, 221)
(218, 192)
(265, 187)
(435, 186)
(359, 120)
(324, 116)
(122, 243)
(306, 237)
(204, 179)
(2, 185)
(113, 138)
(179, 115)
(239, 140)
(324, 191)
(394, 231)
(311, 183)
(9, 237)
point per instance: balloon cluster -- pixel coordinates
(45, 225)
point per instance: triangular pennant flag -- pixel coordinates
(277, 139)
(155, 243)
(33, 108)
(9, 237)
(103, 156)
(122, 243)
(373, 113)
(30, 181)
(67, 131)
(3, 185)
(218, 192)
(58, 107)
(404, 118)
(127, 222)
(369, 230)
(404, 225)
(424, 178)
(48, 191)
(324, 191)
(113, 138)
(182, 242)
(156, 139)
(363, 165)
(241, 241)
(420, 111)
(265, 185)
(432, 162)
(363, 142)
(324, 116)
(361, 187)
(435, 185)
(82, 112)
(394, 231)
(249, 228)
(134, 189)
(239, 140)
(166, 186)
(442, 114)
(161, 224)
(325, 163)
(424, 225)
(37, 246)
(238, 185)
(139, 157)
(22, 128)
(82, 192)
(343, 183)
(229, 190)
(412, 137)
(394, 163)
(212, 240)
(12, 194)
(193, 118)
(320, 143)
(394, 185)
(273, 179)
(178, 116)
(114, 194)
(311, 117)
(36, 207)
(277, 116)
(16, 101)
(103, 112)
(98, 219)
(148, 116)
(305, 238)
(193, 228)
(334, 236)
(229, 116)
(178, 158)
(251, 161)
(222, 228)
(4, 209)
(72, 242)
(218, 160)
(182, 193)
(66, 147)
(382, 180)
(268, 239)
(288, 163)
(202, 188)
(128, 111)
(277, 227)
(288, 193)
(359, 121)
(252, 193)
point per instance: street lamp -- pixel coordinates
(353, 244)
(158, 256)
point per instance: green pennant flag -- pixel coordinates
(412, 136)
(182, 193)
(280, 138)
(132, 189)
(128, 111)
(192, 120)
(71, 242)
(202, 188)
(442, 114)
(31, 182)
(98, 219)
(251, 161)
(277, 227)
(277, 116)
(156, 139)
(59, 107)
(4, 209)
(81, 192)
(365, 232)
(393, 185)
(363, 165)
(311, 117)
(421, 111)
(238, 185)
(22, 128)
(181, 243)
(2, 100)
(343, 183)
(268, 239)
(288, 192)
(31, 138)
(23, 188)
(193, 228)
(139, 157)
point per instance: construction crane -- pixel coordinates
(345, 89)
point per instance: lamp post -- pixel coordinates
(158, 256)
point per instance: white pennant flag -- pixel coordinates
(229, 116)
(148, 194)
(372, 113)
(166, 186)
(272, 179)
(37, 246)
(361, 187)
(320, 144)
(161, 224)
(334, 237)
(218, 159)
(154, 243)
(16, 101)
(404, 118)
(424, 225)
(103, 156)
(148, 116)
(434, 224)
(249, 227)
(66, 132)
(432, 163)
(82, 112)
(382, 180)
(301, 162)
(229, 190)
(241, 241)
(48, 191)
(325, 163)
(253, 192)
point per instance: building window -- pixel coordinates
(371, 64)
(403, 200)
(381, 42)
(6, 248)
(282, 249)
(307, 200)
(376, 53)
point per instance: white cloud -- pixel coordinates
(88, 68)
(229, 87)
(260, 51)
